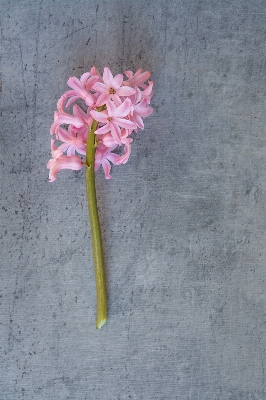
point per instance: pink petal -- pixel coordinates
(124, 123)
(111, 108)
(129, 74)
(71, 100)
(125, 133)
(89, 99)
(112, 157)
(108, 140)
(78, 112)
(70, 119)
(104, 129)
(74, 162)
(95, 72)
(69, 93)
(148, 90)
(137, 79)
(56, 115)
(123, 110)
(71, 151)
(116, 133)
(63, 147)
(66, 119)
(51, 163)
(107, 77)
(63, 134)
(55, 151)
(74, 83)
(63, 162)
(61, 104)
(100, 87)
(142, 109)
(102, 99)
(124, 158)
(96, 165)
(102, 157)
(98, 157)
(125, 91)
(116, 99)
(138, 95)
(91, 82)
(81, 149)
(117, 81)
(99, 116)
(147, 93)
(141, 77)
(107, 168)
(84, 78)
(138, 121)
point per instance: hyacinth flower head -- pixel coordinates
(91, 136)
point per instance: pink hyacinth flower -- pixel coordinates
(108, 141)
(60, 161)
(113, 118)
(60, 119)
(111, 88)
(103, 156)
(147, 93)
(81, 89)
(137, 79)
(139, 111)
(78, 112)
(63, 162)
(94, 72)
(54, 150)
(73, 141)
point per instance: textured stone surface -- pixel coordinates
(183, 222)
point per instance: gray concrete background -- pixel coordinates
(183, 222)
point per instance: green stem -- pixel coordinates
(95, 229)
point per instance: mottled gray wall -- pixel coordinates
(183, 221)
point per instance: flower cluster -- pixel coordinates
(118, 108)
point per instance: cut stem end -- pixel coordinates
(101, 323)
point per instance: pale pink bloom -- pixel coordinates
(137, 79)
(59, 119)
(95, 72)
(126, 107)
(79, 117)
(137, 96)
(127, 151)
(108, 141)
(103, 156)
(81, 89)
(78, 112)
(142, 94)
(73, 140)
(147, 93)
(111, 88)
(54, 150)
(139, 111)
(61, 105)
(62, 162)
(113, 118)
